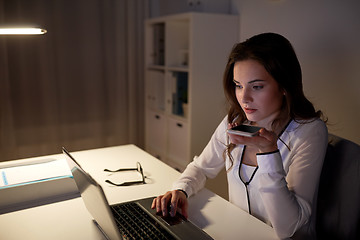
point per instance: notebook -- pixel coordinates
(130, 220)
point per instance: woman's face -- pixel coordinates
(257, 92)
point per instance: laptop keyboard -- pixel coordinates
(134, 223)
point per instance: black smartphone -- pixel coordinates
(245, 130)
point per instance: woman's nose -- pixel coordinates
(246, 95)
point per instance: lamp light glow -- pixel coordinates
(22, 31)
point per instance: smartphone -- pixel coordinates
(245, 130)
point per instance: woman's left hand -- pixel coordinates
(265, 141)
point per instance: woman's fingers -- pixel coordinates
(165, 203)
(266, 141)
(174, 199)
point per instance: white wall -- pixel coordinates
(326, 37)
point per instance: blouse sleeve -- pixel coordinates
(207, 165)
(288, 197)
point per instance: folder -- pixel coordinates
(30, 184)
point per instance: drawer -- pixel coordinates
(178, 142)
(155, 132)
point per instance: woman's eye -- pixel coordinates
(257, 87)
(238, 86)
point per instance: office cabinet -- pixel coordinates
(185, 57)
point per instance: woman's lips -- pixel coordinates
(249, 110)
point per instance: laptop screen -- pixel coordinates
(93, 197)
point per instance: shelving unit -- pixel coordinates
(185, 56)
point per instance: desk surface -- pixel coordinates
(70, 220)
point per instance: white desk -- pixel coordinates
(70, 220)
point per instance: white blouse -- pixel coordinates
(283, 189)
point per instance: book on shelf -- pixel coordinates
(159, 44)
(180, 92)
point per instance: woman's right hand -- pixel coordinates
(176, 199)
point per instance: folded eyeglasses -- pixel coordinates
(138, 168)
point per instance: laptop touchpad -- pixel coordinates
(173, 220)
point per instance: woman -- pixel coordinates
(274, 175)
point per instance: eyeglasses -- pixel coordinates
(138, 168)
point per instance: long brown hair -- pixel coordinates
(279, 59)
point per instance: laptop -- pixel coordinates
(130, 220)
